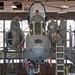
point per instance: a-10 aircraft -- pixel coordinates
(37, 42)
(38, 46)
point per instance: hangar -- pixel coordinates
(13, 61)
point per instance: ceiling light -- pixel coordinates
(65, 7)
(13, 6)
(61, 12)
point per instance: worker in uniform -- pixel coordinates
(37, 19)
(56, 40)
(62, 29)
(52, 28)
(15, 28)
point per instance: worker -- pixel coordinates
(38, 20)
(52, 28)
(56, 40)
(15, 28)
(37, 17)
(62, 29)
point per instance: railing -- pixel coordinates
(70, 41)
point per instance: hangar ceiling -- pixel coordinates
(39, 0)
(50, 5)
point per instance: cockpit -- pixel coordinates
(37, 6)
(37, 24)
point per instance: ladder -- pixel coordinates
(60, 66)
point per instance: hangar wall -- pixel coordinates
(24, 16)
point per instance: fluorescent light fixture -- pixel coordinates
(65, 7)
(13, 6)
(61, 12)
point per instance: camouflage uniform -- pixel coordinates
(52, 28)
(15, 27)
(57, 40)
(37, 21)
(62, 28)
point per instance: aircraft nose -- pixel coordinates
(39, 53)
(38, 50)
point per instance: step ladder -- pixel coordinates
(60, 66)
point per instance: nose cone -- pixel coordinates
(38, 50)
(39, 54)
